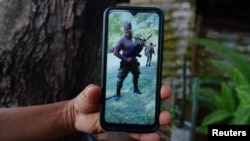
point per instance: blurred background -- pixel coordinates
(50, 50)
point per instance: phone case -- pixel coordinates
(131, 68)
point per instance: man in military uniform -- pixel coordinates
(128, 64)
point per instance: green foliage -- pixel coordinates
(236, 60)
(232, 73)
(231, 104)
(175, 113)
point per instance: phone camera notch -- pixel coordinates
(133, 13)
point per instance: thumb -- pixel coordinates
(88, 101)
(92, 93)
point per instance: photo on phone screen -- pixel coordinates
(131, 68)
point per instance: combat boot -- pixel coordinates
(136, 90)
(118, 94)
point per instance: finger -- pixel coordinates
(164, 118)
(145, 136)
(166, 91)
(89, 99)
(92, 93)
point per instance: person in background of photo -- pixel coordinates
(149, 50)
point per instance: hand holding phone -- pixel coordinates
(131, 81)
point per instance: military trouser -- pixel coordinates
(123, 71)
(149, 58)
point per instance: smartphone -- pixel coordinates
(131, 68)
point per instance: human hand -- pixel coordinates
(84, 111)
(142, 43)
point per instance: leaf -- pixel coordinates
(216, 81)
(243, 93)
(241, 115)
(218, 116)
(218, 101)
(207, 98)
(227, 98)
(231, 72)
(202, 129)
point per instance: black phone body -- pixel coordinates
(131, 68)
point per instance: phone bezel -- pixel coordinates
(131, 127)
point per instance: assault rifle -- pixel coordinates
(135, 51)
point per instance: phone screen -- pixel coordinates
(131, 68)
